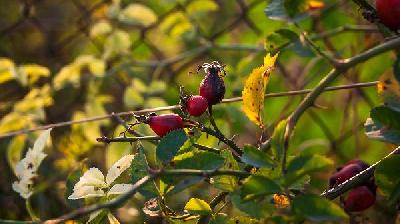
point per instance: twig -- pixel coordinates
(309, 100)
(127, 139)
(158, 109)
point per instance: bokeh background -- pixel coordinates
(70, 60)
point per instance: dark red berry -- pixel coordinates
(163, 124)
(344, 174)
(389, 13)
(360, 163)
(212, 87)
(359, 199)
(196, 105)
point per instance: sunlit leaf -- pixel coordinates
(201, 6)
(198, 207)
(7, 68)
(102, 27)
(138, 14)
(33, 72)
(118, 42)
(14, 150)
(254, 90)
(176, 24)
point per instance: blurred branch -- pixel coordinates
(158, 109)
(355, 180)
(309, 100)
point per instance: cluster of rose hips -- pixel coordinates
(212, 91)
(360, 197)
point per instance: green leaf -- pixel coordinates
(377, 131)
(253, 156)
(294, 7)
(386, 116)
(198, 8)
(318, 209)
(387, 176)
(219, 218)
(254, 208)
(276, 10)
(170, 144)
(198, 207)
(198, 160)
(277, 140)
(14, 150)
(226, 182)
(256, 186)
(185, 183)
(305, 164)
(139, 169)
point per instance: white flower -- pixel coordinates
(26, 169)
(93, 183)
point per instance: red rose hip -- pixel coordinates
(389, 13)
(344, 174)
(359, 199)
(196, 105)
(212, 87)
(163, 124)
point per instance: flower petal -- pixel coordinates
(86, 192)
(119, 167)
(120, 189)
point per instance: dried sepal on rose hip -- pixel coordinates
(162, 124)
(192, 105)
(212, 87)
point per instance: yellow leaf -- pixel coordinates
(6, 70)
(33, 72)
(254, 90)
